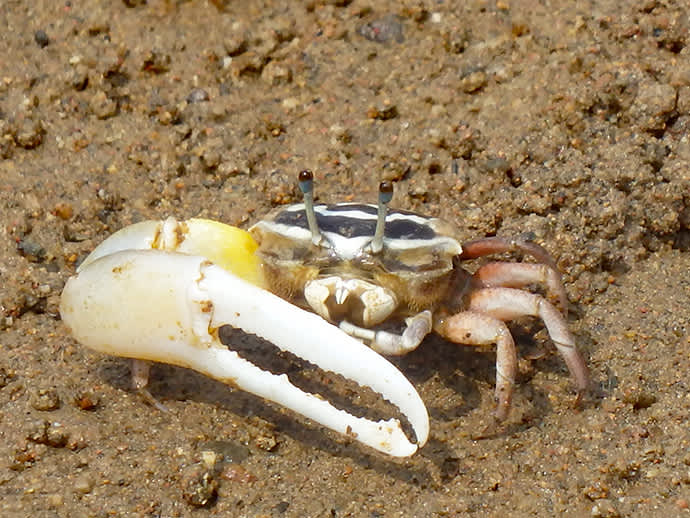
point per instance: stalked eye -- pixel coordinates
(385, 196)
(306, 185)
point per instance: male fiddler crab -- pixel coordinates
(160, 291)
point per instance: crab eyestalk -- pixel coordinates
(385, 196)
(306, 185)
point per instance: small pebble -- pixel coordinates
(231, 451)
(86, 400)
(383, 29)
(639, 398)
(30, 134)
(156, 62)
(37, 431)
(56, 436)
(47, 433)
(237, 473)
(41, 38)
(31, 250)
(5, 376)
(199, 487)
(64, 211)
(275, 74)
(102, 106)
(267, 442)
(382, 113)
(209, 458)
(474, 81)
(44, 399)
(197, 95)
(83, 484)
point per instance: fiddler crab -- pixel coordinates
(317, 281)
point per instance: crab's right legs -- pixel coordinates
(517, 275)
(508, 304)
(483, 324)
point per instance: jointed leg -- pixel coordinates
(508, 304)
(474, 328)
(519, 275)
(497, 245)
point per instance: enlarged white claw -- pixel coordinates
(167, 307)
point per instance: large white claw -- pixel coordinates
(168, 306)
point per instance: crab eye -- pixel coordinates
(386, 190)
(306, 177)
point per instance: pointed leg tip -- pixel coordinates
(580, 398)
(148, 397)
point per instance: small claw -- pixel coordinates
(166, 307)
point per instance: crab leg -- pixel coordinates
(473, 328)
(497, 245)
(167, 307)
(509, 303)
(519, 275)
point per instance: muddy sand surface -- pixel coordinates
(565, 120)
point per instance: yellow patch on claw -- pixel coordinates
(231, 248)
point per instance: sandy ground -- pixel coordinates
(567, 120)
